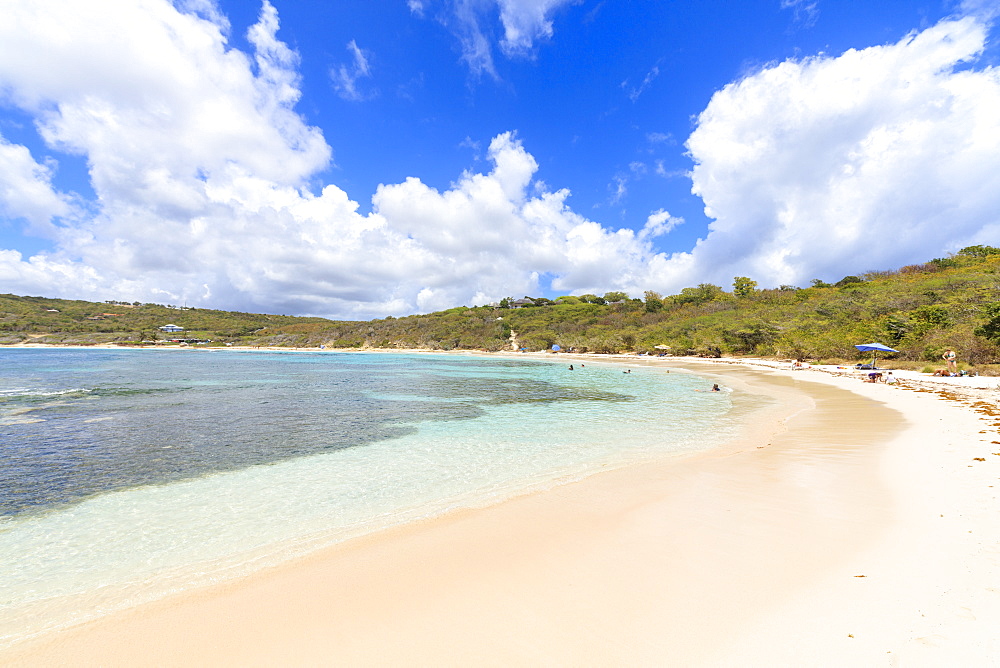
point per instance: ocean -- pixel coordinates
(127, 475)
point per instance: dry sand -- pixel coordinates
(863, 532)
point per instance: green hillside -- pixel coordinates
(64, 321)
(919, 309)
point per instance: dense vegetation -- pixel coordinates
(920, 310)
(43, 320)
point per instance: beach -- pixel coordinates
(854, 525)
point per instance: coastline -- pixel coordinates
(744, 556)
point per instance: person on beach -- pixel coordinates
(952, 359)
(890, 379)
(715, 388)
(570, 367)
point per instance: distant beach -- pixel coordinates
(849, 523)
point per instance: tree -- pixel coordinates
(979, 251)
(705, 292)
(847, 280)
(615, 296)
(897, 326)
(568, 299)
(932, 316)
(654, 301)
(944, 262)
(743, 286)
(817, 283)
(749, 337)
(991, 328)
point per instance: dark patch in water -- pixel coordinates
(512, 390)
(149, 418)
(169, 418)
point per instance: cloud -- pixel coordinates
(828, 166)
(985, 10)
(661, 170)
(618, 188)
(524, 23)
(472, 145)
(658, 223)
(346, 77)
(26, 189)
(154, 99)
(201, 169)
(485, 237)
(475, 45)
(806, 12)
(206, 177)
(635, 92)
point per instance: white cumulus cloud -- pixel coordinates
(658, 223)
(201, 168)
(526, 22)
(26, 189)
(872, 159)
(206, 177)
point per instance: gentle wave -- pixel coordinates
(16, 393)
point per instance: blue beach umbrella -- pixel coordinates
(556, 348)
(875, 349)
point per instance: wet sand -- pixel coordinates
(855, 526)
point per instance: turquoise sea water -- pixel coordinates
(126, 475)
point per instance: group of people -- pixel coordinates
(951, 359)
(949, 356)
(876, 377)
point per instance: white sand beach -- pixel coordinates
(858, 526)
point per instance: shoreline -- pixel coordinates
(749, 555)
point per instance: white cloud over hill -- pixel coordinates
(869, 160)
(204, 175)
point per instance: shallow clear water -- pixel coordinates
(126, 475)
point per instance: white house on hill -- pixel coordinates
(171, 328)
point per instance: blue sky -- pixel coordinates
(363, 159)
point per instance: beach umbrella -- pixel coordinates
(555, 348)
(874, 348)
(662, 347)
